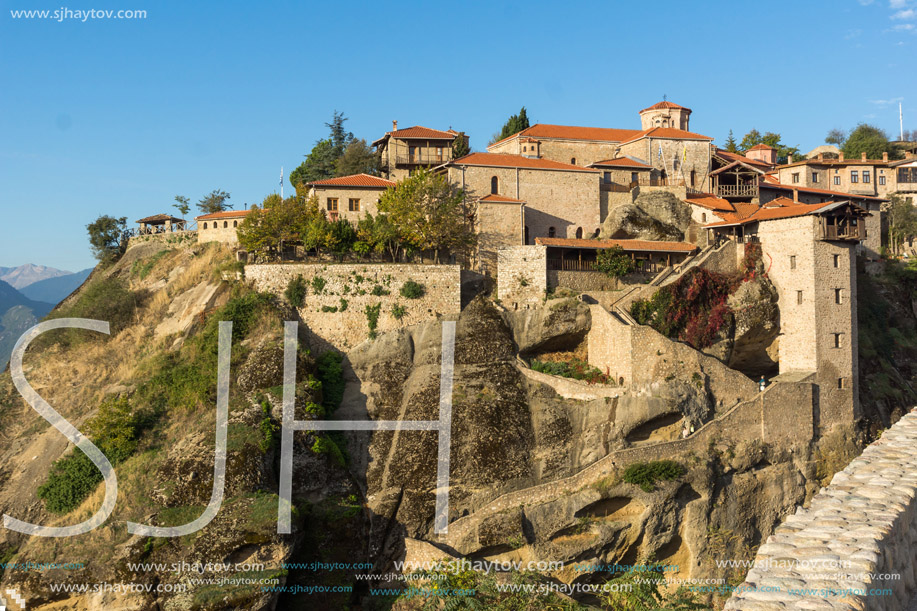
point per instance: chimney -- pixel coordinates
(796, 195)
(862, 156)
(789, 159)
(821, 156)
(394, 126)
(840, 156)
(884, 157)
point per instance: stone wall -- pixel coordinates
(582, 281)
(367, 198)
(522, 279)
(673, 160)
(173, 237)
(857, 537)
(577, 152)
(219, 230)
(566, 200)
(354, 284)
(498, 225)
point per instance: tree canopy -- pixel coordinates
(836, 137)
(772, 139)
(513, 125)
(902, 222)
(215, 201)
(182, 204)
(107, 238)
(427, 211)
(871, 140)
(340, 154)
(731, 144)
(460, 146)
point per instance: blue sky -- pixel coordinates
(118, 116)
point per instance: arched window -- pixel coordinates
(703, 217)
(579, 233)
(573, 161)
(235, 223)
(205, 225)
(225, 224)
(494, 185)
(552, 232)
(523, 149)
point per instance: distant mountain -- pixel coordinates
(17, 314)
(54, 290)
(24, 275)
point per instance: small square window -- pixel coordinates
(332, 204)
(837, 260)
(837, 180)
(841, 383)
(837, 340)
(354, 205)
(795, 176)
(854, 176)
(838, 296)
(799, 297)
(814, 176)
(792, 261)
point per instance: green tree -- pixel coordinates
(513, 125)
(613, 262)
(902, 223)
(182, 204)
(340, 237)
(215, 201)
(277, 222)
(428, 213)
(319, 164)
(870, 140)
(836, 137)
(731, 145)
(357, 158)
(340, 137)
(460, 146)
(107, 238)
(380, 234)
(771, 139)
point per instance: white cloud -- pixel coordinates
(905, 14)
(904, 26)
(887, 102)
(896, 4)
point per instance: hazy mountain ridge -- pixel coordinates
(54, 290)
(24, 275)
(17, 313)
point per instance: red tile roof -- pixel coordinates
(516, 161)
(226, 214)
(662, 105)
(419, 131)
(777, 185)
(667, 133)
(711, 202)
(156, 218)
(354, 180)
(761, 147)
(500, 199)
(628, 245)
(774, 213)
(737, 157)
(572, 132)
(622, 162)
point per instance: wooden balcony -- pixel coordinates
(571, 265)
(843, 232)
(737, 190)
(429, 160)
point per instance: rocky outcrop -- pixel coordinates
(654, 215)
(757, 324)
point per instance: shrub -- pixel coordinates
(372, 318)
(576, 369)
(328, 308)
(296, 291)
(378, 291)
(107, 299)
(331, 375)
(398, 311)
(115, 430)
(412, 290)
(613, 262)
(267, 427)
(318, 284)
(646, 475)
(343, 306)
(325, 445)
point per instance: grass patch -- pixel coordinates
(574, 369)
(412, 290)
(296, 291)
(646, 475)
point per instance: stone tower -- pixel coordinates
(665, 114)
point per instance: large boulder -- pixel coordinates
(655, 215)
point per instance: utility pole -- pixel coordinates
(901, 120)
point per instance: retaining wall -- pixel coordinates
(857, 537)
(354, 284)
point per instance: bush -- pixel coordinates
(115, 430)
(267, 427)
(412, 290)
(296, 291)
(645, 475)
(378, 291)
(398, 311)
(372, 318)
(107, 299)
(318, 284)
(343, 305)
(331, 375)
(576, 369)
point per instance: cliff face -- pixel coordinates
(534, 475)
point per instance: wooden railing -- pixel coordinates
(571, 265)
(737, 190)
(421, 159)
(843, 232)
